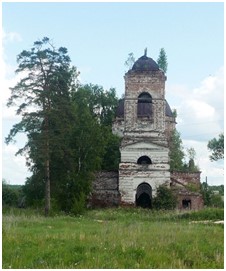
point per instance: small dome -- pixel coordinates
(145, 63)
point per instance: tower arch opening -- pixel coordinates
(144, 105)
(144, 195)
(144, 160)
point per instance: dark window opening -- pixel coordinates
(186, 204)
(144, 160)
(144, 106)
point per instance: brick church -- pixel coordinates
(145, 123)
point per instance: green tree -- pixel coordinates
(216, 146)
(210, 198)
(89, 145)
(191, 166)
(176, 152)
(86, 148)
(10, 196)
(165, 199)
(102, 105)
(43, 95)
(162, 60)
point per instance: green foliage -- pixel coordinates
(86, 146)
(10, 196)
(165, 199)
(42, 98)
(216, 201)
(216, 146)
(219, 188)
(102, 105)
(204, 214)
(111, 156)
(191, 166)
(176, 153)
(68, 128)
(210, 198)
(162, 60)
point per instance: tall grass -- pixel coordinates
(111, 238)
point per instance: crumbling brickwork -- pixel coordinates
(105, 189)
(187, 187)
(145, 123)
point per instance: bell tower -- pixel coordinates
(144, 109)
(143, 119)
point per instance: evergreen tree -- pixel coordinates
(176, 153)
(162, 60)
(43, 95)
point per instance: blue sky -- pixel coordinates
(99, 37)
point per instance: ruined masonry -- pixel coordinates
(145, 122)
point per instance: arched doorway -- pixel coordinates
(144, 195)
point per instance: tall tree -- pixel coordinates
(176, 153)
(41, 96)
(162, 60)
(87, 146)
(102, 104)
(216, 146)
(191, 167)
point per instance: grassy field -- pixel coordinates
(113, 238)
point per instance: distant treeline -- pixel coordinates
(15, 195)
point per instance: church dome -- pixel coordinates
(145, 63)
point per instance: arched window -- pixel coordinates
(144, 105)
(144, 160)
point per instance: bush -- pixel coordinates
(10, 195)
(216, 201)
(165, 199)
(78, 204)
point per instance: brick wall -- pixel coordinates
(180, 182)
(186, 177)
(105, 189)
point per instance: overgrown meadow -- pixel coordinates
(113, 238)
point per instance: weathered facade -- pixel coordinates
(145, 123)
(143, 119)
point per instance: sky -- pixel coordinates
(99, 37)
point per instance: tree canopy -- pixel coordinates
(216, 146)
(68, 128)
(43, 94)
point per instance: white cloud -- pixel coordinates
(200, 118)
(214, 171)
(14, 168)
(11, 37)
(8, 77)
(200, 110)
